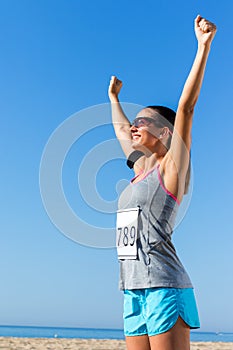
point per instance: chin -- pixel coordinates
(139, 147)
(136, 145)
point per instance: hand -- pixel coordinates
(114, 88)
(205, 30)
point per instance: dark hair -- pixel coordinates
(166, 112)
(170, 116)
(168, 119)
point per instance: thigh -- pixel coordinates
(177, 338)
(140, 342)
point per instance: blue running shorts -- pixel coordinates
(155, 310)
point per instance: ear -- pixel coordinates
(164, 132)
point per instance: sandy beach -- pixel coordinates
(10, 343)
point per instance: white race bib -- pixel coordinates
(126, 235)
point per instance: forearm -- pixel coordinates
(119, 119)
(193, 83)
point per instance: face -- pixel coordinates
(145, 133)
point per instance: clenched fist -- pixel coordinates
(205, 30)
(114, 88)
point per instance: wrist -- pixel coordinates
(113, 98)
(204, 47)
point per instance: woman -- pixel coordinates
(159, 303)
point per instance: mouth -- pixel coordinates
(135, 137)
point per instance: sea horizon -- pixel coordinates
(96, 333)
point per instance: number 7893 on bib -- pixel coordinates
(126, 233)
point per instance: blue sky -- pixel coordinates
(56, 60)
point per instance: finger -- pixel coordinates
(207, 26)
(111, 83)
(205, 21)
(211, 26)
(203, 25)
(202, 22)
(118, 82)
(198, 19)
(113, 78)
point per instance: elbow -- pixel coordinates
(187, 108)
(187, 104)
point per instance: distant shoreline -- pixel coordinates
(96, 333)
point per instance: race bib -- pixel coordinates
(126, 235)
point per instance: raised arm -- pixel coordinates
(120, 122)
(181, 139)
(205, 32)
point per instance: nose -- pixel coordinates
(133, 128)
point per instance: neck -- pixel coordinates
(151, 161)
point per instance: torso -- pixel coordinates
(157, 263)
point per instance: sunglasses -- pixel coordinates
(143, 121)
(146, 121)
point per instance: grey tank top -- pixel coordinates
(157, 264)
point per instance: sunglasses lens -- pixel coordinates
(138, 122)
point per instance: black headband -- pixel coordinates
(133, 157)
